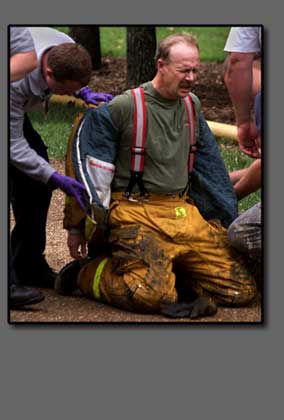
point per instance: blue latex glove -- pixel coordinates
(94, 98)
(70, 186)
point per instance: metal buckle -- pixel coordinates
(139, 199)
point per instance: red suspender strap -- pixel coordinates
(191, 125)
(139, 138)
(139, 131)
(138, 143)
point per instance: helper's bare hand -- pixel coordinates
(77, 245)
(247, 135)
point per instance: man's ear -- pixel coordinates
(160, 64)
(49, 72)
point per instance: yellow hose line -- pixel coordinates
(218, 129)
(223, 130)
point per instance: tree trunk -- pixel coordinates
(141, 48)
(89, 37)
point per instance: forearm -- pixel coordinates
(238, 79)
(236, 175)
(250, 182)
(24, 158)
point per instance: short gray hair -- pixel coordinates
(163, 50)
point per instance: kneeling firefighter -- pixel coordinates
(132, 263)
(159, 198)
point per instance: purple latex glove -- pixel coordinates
(94, 98)
(70, 186)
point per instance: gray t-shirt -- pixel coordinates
(167, 141)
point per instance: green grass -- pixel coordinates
(234, 159)
(55, 132)
(56, 129)
(113, 41)
(211, 39)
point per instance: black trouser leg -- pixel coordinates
(12, 274)
(30, 202)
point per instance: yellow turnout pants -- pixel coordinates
(147, 239)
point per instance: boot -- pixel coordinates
(66, 280)
(20, 296)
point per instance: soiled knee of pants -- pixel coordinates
(245, 295)
(133, 246)
(139, 257)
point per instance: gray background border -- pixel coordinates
(142, 372)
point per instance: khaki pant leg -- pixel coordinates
(140, 276)
(137, 277)
(87, 281)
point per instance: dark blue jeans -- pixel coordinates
(257, 110)
(30, 202)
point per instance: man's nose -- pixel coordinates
(190, 76)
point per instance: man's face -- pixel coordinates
(179, 72)
(66, 87)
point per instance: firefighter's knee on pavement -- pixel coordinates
(85, 278)
(89, 277)
(85, 283)
(244, 295)
(249, 295)
(148, 300)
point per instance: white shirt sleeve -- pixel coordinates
(244, 39)
(20, 40)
